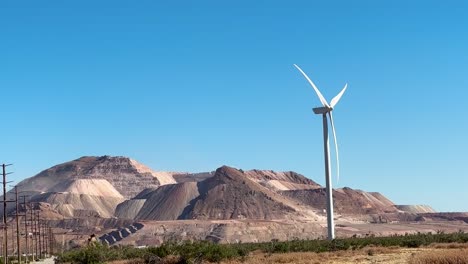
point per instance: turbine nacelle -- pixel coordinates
(322, 110)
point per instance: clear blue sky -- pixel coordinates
(190, 86)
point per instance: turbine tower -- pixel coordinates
(325, 110)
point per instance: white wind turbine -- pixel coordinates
(324, 110)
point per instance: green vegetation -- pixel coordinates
(191, 252)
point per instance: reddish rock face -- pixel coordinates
(346, 201)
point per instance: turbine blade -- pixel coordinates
(337, 98)
(320, 96)
(336, 148)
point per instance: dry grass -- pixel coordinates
(450, 253)
(365, 255)
(449, 245)
(436, 254)
(441, 256)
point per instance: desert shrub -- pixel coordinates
(127, 252)
(92, 254)
(216, 253)
(161, 251)
(339, 244)
(207, 251)
(192, 252)
(99, 253)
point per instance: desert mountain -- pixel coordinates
(121, 187)
(254, 194)
(127, 176)
(91, 186)
(111, 195)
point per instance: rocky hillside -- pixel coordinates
(346, 201)
(228, 194)
(232, 194)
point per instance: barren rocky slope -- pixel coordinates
(168, 202)
(416, 208)
(281, 181)
(95, 187)
(80, 205)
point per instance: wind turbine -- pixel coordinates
(325, 110)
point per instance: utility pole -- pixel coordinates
(13, 244)
(52, 241)
(5, 232)
(1, 244)
(17, 227)
(44, 241)
(26, 226)
(46, 238)
(33, 230)
(39, 233)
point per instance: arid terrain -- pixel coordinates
(122, 201)
(432, 254)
